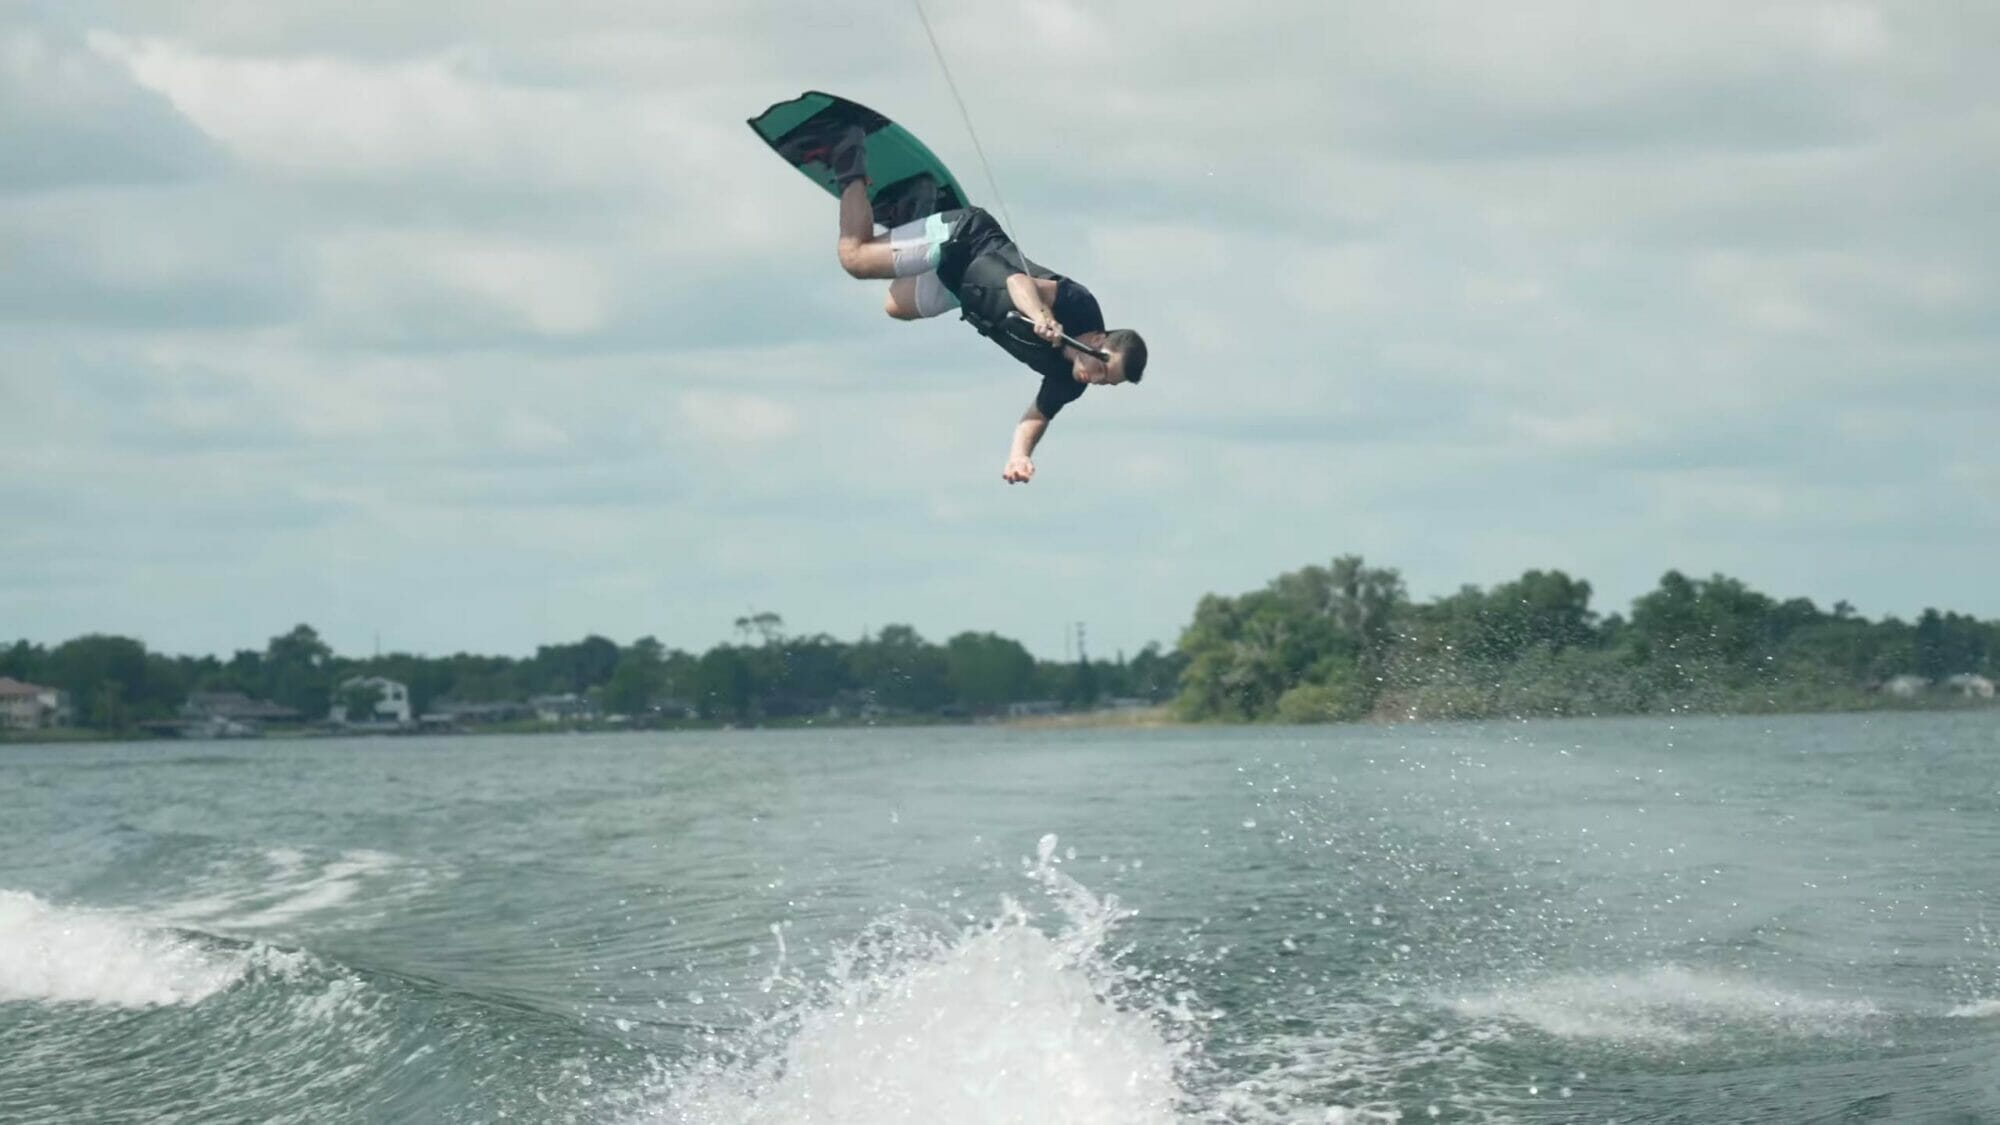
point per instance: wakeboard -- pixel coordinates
(907, 180)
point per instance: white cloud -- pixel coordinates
(444, 115)
(69, 119)
(523, 432)
(368, 278)
(738, 419)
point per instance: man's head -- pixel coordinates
(1126, 365)
(1128, 353)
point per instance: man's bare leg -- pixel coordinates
(901, 302)
(862, 252)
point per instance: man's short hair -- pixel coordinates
(1132, 347)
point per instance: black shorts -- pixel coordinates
(974, 233)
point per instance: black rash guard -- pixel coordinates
(977, 260)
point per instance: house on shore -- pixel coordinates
(1906, 686)
(1965, 685)
(392, 702)
(25, 706)
(563, 707)
(850, 705)
(1971, 685)
(231, 714)
(452, 714)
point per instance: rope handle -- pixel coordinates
(1079, 345)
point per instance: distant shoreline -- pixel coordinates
(1160, 716)
(1146, 718)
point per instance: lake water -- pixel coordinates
(1788, 919)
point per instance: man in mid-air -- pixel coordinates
(963, 259)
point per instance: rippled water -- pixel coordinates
(1710, 920)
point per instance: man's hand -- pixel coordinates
(1027, 433)
(1050, 329)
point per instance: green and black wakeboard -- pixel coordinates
(907, 181)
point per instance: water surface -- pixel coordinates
(1636, 920)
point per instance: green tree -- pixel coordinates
(724, 684)
(766, 626)
(986, 670)
(1153, 675)
(243, 673)
(679, 675)
(108, 711)
(812, 670)
(902, 670)
(106, 677)
(1667, 618)
(298, 671)
(1540, 609)
(1337, 696)
(638, 679)
(1948, 644)
(22, 661)
(1085, 684)
(574, 668)
(1309, 626)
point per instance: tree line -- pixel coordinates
(116, 683)
(1345, 641)
(1336, 642)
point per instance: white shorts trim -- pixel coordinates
(918, 245)
(932, 297)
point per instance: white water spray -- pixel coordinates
(996, 1024)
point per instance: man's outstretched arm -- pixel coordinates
(1027, 434)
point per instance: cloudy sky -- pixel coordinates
(478, 325)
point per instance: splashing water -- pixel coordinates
(281, 887)
(993, 1024)
(70, 955)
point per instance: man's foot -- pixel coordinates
(849, 157)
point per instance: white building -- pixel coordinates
(392, 701)
(563, 708)
(1970, 685)
(30, 706)
(1906, 686)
